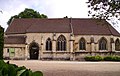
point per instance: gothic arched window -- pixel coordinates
(103, 44)
(82, 44)
(61, 43)
(48, 44)
(117, 45)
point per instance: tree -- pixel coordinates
(1, 42)
(27, 13)
(65, 17)
(104, 9)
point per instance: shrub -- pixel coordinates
(100, 58)
(93, 58)
(7, 69)
(108, 58)
(116, 58)
(112, 58)
(88, 58)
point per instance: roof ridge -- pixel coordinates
(53, 18)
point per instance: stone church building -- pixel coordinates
(60, 38)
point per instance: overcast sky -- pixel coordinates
(51, 8)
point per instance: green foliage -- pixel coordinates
(100, 58)
(108, 58)
(104, 9)
(27, 13)
(93, 58)
(1, 42)
(37, 73)
(7, 69)
(112, 58)
(116, 58)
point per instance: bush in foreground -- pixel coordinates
(7, 69)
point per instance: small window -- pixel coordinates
(48, 44)
(7, 50)
(117, 45)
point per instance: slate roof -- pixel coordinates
(93, 27)
(14, 40)
(61, 25)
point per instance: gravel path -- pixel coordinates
(72, 68)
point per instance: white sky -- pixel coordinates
(51, 8)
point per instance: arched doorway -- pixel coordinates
(34, 50)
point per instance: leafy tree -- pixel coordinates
(104, 9)
(1, 42)
(27, 13)
(65, 17)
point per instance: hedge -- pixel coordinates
(112, 58)
(93, 58)
(101, 58)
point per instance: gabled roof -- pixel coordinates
(49, 25)
(19, 26)
(61, 25)
(35, 25)
(93, 27)
(14, 40)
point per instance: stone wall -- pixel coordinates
(72, 51)
(41, 38)
(19, 51)
(96, 41)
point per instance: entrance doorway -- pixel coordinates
(34, 51)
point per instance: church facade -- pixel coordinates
(62, 38)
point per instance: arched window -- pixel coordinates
(102, 44)
(48, 44)
(61, 43)
(117, 45)
(82, 44)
